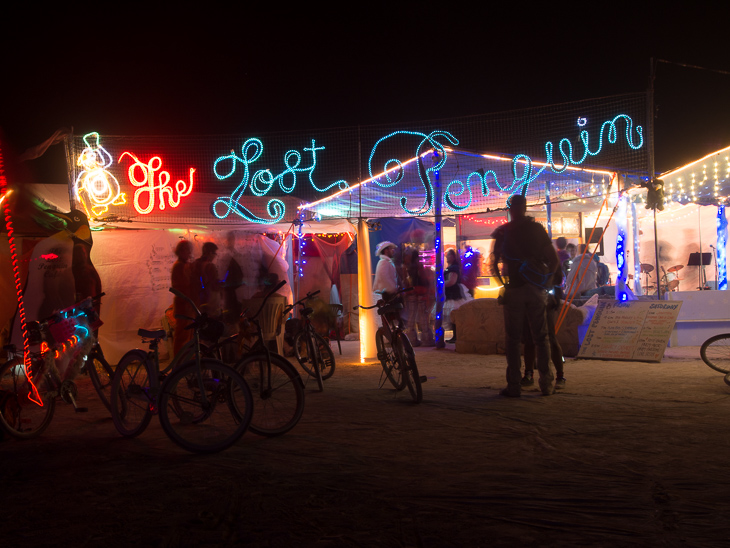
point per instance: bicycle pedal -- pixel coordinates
(423, 378)
(81, 409)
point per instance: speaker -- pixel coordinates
(596, 238)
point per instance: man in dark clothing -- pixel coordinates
(529, 260)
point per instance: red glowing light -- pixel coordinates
(152, 186)
(49, 256)
(33, 395)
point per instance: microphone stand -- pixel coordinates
(714, 254)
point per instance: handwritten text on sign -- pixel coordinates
(632, 330)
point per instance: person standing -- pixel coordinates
(417, 300)
(529, 258)
(207, 283)
(453, 296)
(386, 276)
(562, 243)
(182, 280)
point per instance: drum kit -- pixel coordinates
(668, 282)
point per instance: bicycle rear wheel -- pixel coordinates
(101, 375)
(388, 361)
(133, 393)
(278, 397)
(715, 352)
(408, 357)
(19, 416)
(205, 426)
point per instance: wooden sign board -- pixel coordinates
(632, 330)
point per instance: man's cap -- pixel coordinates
(382, 246)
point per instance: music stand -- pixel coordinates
(700, 260)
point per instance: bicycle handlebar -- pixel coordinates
(384, 302)
(301, 301)
(182, 295)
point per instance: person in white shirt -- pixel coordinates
(386, 277)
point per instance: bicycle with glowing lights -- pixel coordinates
(313, 352)
(715, 352)
(395, 351)
(204, 405)
(58, 347)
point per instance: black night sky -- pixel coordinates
(138, 71)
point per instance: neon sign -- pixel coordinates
(393, 164)
(152, 186)
(95, 184)
(263, 180)
(523, 171)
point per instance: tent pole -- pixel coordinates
(650, 126)
(439, 256)
(368, 326)
(548, 210)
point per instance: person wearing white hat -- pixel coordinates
(386, 277)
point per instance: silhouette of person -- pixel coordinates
(182, 280)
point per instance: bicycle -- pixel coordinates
(204, 405)
(395, 351)
(29, 387)
(715, 352)
(100, 373)
(312, 351)
(277, 387)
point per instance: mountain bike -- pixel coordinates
(715, 352)
(277, 387)
(29, 387)
(395, 351)
(312, 351)
(204, 405)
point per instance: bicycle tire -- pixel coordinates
(19, 416)
(715, 352)
(413, 379)
(303, 355)
(133, 390)
(316, 363)
(388, 361)
(211, 427)
(277, 405)
(101, 375)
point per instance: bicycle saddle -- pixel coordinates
(156, 334)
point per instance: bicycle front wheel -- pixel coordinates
(278, 394)
(408, 358)
(715, 352)
(306, 354)
(20, 416)
(133, 392)
(101, 375)
(205, 409)
(388, 361)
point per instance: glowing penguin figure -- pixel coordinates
(95, 187)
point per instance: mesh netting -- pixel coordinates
(472, 163)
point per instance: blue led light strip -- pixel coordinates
(721, 248)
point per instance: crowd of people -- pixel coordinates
(397, 270)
